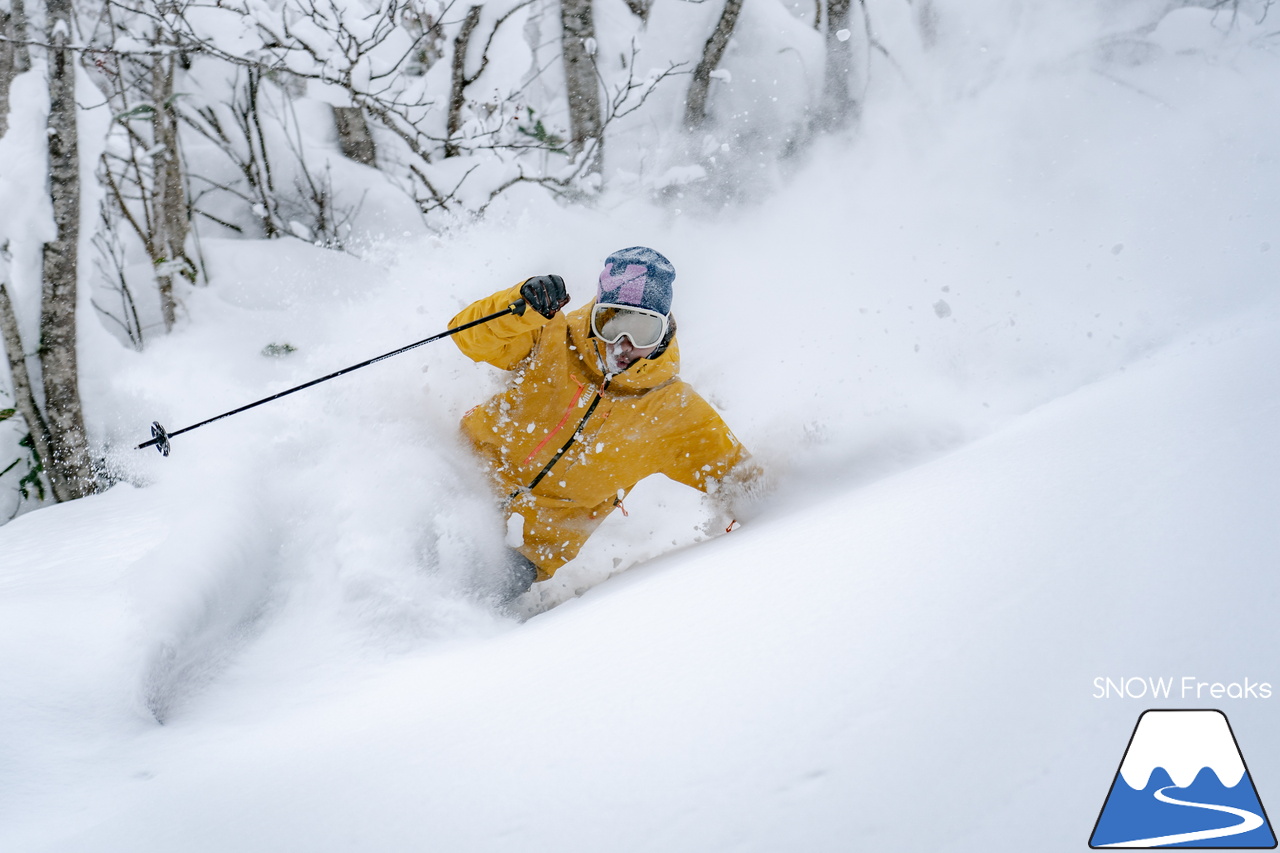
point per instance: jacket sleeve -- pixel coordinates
(702, 449)
(503, 342)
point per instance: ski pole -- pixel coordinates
(160, 436)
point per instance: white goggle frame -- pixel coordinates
(611, 323)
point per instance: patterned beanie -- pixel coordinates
(639, 277)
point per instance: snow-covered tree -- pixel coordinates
(67, 462)
(15, 56)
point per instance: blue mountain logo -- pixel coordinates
(1183, 783)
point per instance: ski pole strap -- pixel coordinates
(546, 469)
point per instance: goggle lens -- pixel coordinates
(612, 322)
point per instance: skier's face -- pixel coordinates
(622, 354)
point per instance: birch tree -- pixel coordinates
(459, 79)
(24, 399)
(578, 46)
(15, 58)
(695, 113)
(172, 223)
(68, 462)
(838, 106)
(354, 137)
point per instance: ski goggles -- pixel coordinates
(611, 323)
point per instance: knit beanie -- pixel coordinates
(639, 277)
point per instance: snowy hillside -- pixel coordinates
(907, 665)
(1009, 355)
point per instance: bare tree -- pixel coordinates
(360, 51)
(112, 266)
(24, 398)
(427, 31)
(378, 52)
(578, 46)
(142, 168)
(926, 21)
(640, 8)
(171, 219)
(695, 111)
(838, 106)
(354, 137)
(68, 460)
(1234, 8)
(257, 129)
(236, 127)
(459, 79)
(343, 45)
(15, 58)
(624, 98)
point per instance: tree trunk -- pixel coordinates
(68, 458)
(353, 135)
(23, 398)
(695, 109)
(458, 80)
(640, 8)
(927, 19)
(838, 107)
(171, 220)
(578, 40)
(15, 58)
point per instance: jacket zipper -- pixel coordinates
(564, 449)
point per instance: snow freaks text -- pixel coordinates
(1186, 687)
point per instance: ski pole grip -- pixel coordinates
(518, 307)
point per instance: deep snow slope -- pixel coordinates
(907, 666)
(1009, 354)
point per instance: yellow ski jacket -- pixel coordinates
(645, 420)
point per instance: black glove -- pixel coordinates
(545, 294)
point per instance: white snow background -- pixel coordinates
(1010, 354)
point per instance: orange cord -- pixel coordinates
(576, 397)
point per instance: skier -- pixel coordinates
(594, 406)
